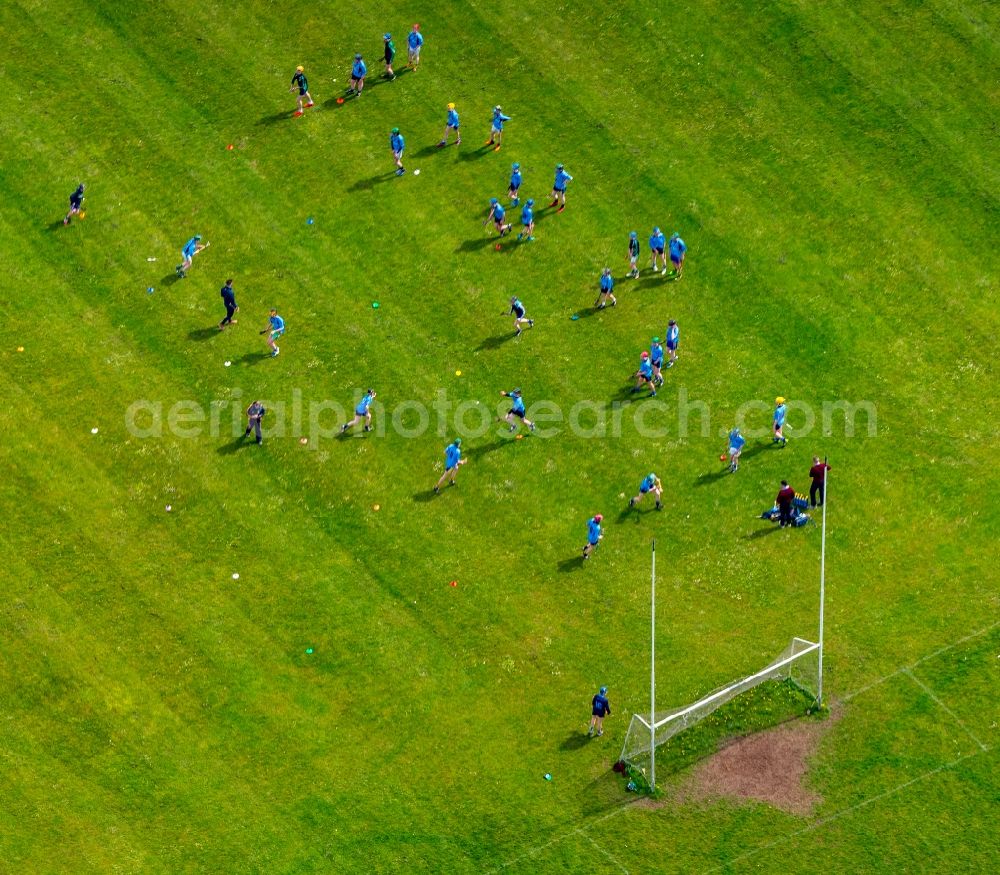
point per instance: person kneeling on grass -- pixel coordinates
(362, 411)
(650, 483)
(594, 534)
(600, 708)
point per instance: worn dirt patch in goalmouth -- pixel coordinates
(766, 767)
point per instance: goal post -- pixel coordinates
(798, 664)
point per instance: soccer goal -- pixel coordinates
(799, 664)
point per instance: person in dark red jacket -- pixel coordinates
(818, 487)
(784, 501)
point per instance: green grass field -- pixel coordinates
(834, 169)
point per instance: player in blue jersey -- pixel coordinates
(633, 254)
(594, 534)
(517, 311)
(452, 461)
(515, 183)
(606, 287)
(451, 124)
(644, 376)
(497, 213)
(650, 483)
(656, 360)
(673, 341)
(301, 85)
(397, 144)
(778, 424)
(362, 411)
(359, 69)
(677, 250)
(190, 250)
(414, 42)
(517, 410)
(275, 328)
(562, 179)
(528, 220)
(657, 249)
(75, 203)
(735, 448)
(496, 127)
(600, 708)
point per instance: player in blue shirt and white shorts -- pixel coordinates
(275, 328)
(414, 42)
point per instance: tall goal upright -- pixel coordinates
(801, 663)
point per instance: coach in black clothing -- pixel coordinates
(229, 299)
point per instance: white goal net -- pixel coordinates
(799, 663)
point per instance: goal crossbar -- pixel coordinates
(749, 681)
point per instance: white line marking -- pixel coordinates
(603, 851)
(843, 812)
(945, 708)
(938, 652)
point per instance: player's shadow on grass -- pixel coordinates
(638, 512)
(575, 740)
(478, 452)
(574, 564)
(425, 496)
(372, 181)
(427, 151)
(203, 333)
(587, 312)
(253, 358)
(477, 243)
(274, 119)
(56, 225)
(760, 533)
(237, 445)
(468, 154)
(496, 341)
(170, 279)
